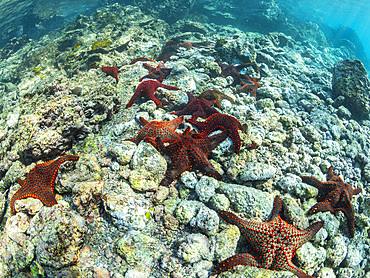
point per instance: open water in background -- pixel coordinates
(39, 17)
(351, 13)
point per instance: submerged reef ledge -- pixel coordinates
(289, 108)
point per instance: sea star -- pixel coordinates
(274, 242)
(140, 59)
(147, 89)
(154, 129)
(334, 195)
(172, 46)
(40, 181)
(219, 121)
(251, 85)
(211, 94)
(112, 71)
(231, 70)
(197, 107)
(189, 153)
(160, 72)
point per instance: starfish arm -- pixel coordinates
(330, 174)
(176, 122)
(309, 233)
(276, 207)
(143, 121)
(321, 207)
(240, 259)
(168, 87)
(345, 206)
(299, 273)
(312, 181)
(138, 94)
(357, 191)
(207, 144)
(53, 166)
(232, 218)
(201, 162)
(234, 134)
(176, 168)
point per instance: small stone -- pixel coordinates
(257, 171)
(205, 188)
(194, 248)
(325, 272)
(206, 220)
(186, 210)
(142, 272)
(337, 251)
(139, 249)
(310, 257)
(248, 200)
(161, 194)
(220, 201)
(57, 233)
(189, 179)
(226, 242)
(170, 222)
(28, 205)
(148, 168)
(128, 210)
(124, 152)
(100, 272)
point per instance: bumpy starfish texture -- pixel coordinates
(112, 71)
(154, 129)
(147, 89)
(274, 242)
(197, 107)
(219, 121)
(40, 181)
(214, 94)
(189, 153)
(334, 195)
(160, 72)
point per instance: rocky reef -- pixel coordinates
(113, 218)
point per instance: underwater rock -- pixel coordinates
(226, 242)
(129, 211)
(248, 200)
(58, 233)
(351, 80)
(193, 248)
(148, 168)
(206, 220)
(16, 250)
(138, 249)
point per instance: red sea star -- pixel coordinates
(211, 94)
(189, 153)
(197, 107)
(251, 85)
(141, 59)
(274, 242)
(334, 195)
(147, 89)
(40, 181)
(160, 72)
(219, 121)
(112, 71)
(154, 129)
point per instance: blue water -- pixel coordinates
(37, 18)
(351, 13)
